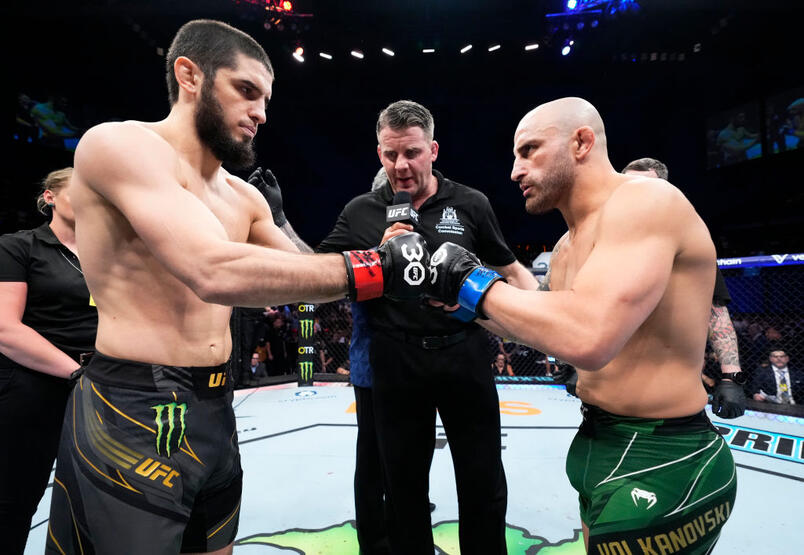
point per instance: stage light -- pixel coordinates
(287, 6)
(571, 43)
(566, 50)
(572, 4)
(594, 23)
(466, 49)
(494, 47)
(298, 57)
(388, 51)
(325, 55)
(533, 46)
(428, 50)
(580, 25)
(357, 54)
(299, 51)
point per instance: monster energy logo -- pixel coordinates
(306, 328)
(168, 414)
(306, 370)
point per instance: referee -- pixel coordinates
(423, 360)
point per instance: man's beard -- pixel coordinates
(211, 128)
(551, 188)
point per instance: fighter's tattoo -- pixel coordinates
(724, 339)
(288, 230)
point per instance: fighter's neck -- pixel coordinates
(180, 131)
(586, 198)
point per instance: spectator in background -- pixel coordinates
(728, 397)
(257, 369)
(778, 383)
(47, 320)
(734, 140)
(500, 366)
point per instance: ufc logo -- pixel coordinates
(152, 470)
(397, 212)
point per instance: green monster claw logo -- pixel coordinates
(341, 539)
(169, 414)
(306, 370)
(306, 328)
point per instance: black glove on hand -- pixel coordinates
(458, 277)
(728, 399)
(266, 183)
(566, 375)
(396, 269)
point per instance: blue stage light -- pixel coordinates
(572, 4)
(566, 50)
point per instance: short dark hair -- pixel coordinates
(403, 114)
(210, 44)
(647, 164)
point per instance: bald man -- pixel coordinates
(628, 304)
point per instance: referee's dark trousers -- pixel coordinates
(410, 382)
(31, 414)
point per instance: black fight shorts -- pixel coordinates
(148, 461)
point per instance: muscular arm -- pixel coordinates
(291, 234)
(724, 339)
(183, 234)
(532, 284)
(23, 344)
(616, 289)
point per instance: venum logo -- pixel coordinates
(649, 496)
(169, 427)
(779, 258)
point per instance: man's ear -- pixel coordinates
(188, 75)
(583, 142)
(433, 151)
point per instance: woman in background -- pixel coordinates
(47, 321)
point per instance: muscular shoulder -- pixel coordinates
(120, 148)
(646, 201)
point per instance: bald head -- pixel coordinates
(554, 144)
(564, 116)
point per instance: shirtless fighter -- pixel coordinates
(169, 240)
(629, 300)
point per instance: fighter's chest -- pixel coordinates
(227, 206)
(565, 264)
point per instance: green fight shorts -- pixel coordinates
(148, 461)
(651, 486)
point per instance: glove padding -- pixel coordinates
(728, 399)
(458, 277)
(266, 183)
(396, 269)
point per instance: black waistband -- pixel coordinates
(429, 342)
(599, 418)
(157, 377)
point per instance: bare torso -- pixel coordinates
(144, 312)
(657, 372)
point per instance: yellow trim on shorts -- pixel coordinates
(72, 516)
(226, 521)
(95, 468)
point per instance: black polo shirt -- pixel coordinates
(57, 305)
(721, 295)
(455, 213)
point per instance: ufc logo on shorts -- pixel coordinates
(414, 271)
